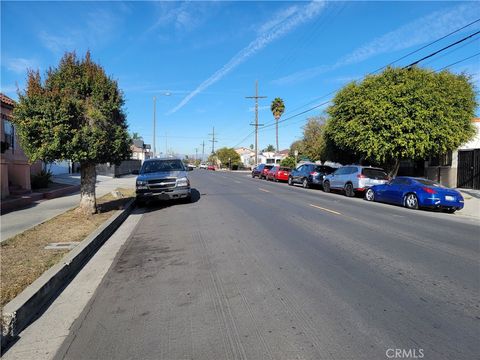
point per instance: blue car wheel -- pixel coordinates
(370, 195)
(411, 201)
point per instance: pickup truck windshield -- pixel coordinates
(162, 165)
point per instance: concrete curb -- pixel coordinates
(31, 302)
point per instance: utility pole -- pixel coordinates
(256, 97)
(203, 150)
(213, 141)
(196, 154)
(154, 126)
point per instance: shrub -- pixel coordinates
(41, 180)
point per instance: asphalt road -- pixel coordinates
(260, 270)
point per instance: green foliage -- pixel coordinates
(277, 107)
(402, 114)
(76, 114)
(136, 136)
(313, 142)
(269, 148)
(40, 180)
(298, 146)
(289, 161)
(225, 153)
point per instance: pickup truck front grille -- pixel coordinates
(159, 184)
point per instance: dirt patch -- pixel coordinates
(24, 258)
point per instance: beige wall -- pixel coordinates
(15, 166)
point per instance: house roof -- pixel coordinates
(6, 100)
(476, 120)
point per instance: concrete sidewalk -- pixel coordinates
(18, 221)
(472, 203)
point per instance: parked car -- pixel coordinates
(279, 173)
(415, 193)
(309, 175)
(271, 172)
(261, 170)
(354, 179)
(211, 167)
(203, 166)
(162, 179)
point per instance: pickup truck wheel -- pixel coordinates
(290, 182)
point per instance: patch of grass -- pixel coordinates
(24, 258)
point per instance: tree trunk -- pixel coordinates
(395, 168)
(88, 177)
(276, 128)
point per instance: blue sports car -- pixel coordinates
(415, 193)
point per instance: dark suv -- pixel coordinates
(261, 170)
(309, 175)
(162, 179)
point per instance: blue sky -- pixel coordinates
(208, 55)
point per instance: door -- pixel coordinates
(468, 176)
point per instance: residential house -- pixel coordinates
(140, 150)
(247, 156)
(271, 157)
(15, 167)
(459, 168)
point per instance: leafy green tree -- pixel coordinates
(269, 148)
(136, 136)
(224, 154)
(277, 107)
(76, 113)
(289, 161)
(296, 146)
(313, 141)
(403, 114)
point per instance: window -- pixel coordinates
(375, 174)
(8, 130)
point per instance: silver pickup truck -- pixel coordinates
(162, 179)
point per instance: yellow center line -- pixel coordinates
(321, 208)
(263, 190)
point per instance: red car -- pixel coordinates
(278, 173)
(211, 167)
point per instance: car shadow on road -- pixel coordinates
(155, 205)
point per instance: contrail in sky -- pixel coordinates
(299, 17)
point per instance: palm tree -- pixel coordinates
(277, 108)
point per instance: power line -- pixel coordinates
(425, 46)
(458, 62)
(442, 49)
(401, 58)
(393, 62)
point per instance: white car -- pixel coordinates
(203, 166)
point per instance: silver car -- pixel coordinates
(354, 179)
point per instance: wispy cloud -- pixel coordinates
(184, 16)
(99, 26)
(302, 75)
(302, 15)
(21, 65)
(417, 32)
